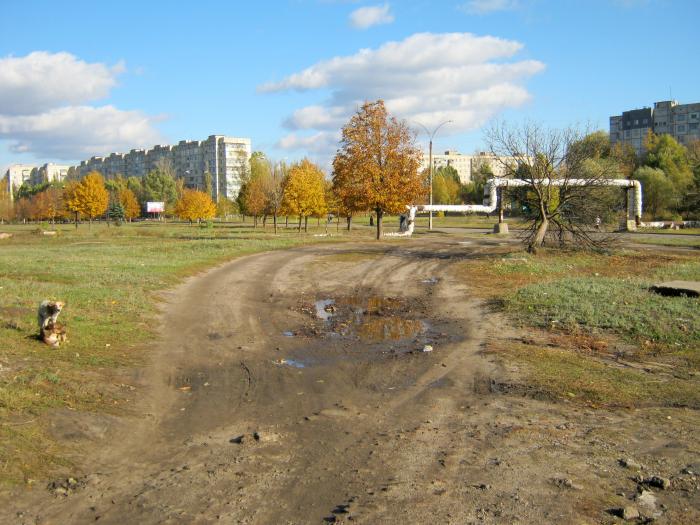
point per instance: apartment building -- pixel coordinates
(49, 172)
(225, 158)
(466, 165)
(16, 175)
(19, 174)
(681, 121)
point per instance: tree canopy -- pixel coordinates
(377, 163)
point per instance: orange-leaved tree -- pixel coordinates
(376, 166)
(89, 197)
(304, 192)
(128, 200)
(195, 205)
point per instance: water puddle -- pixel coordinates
(430, 280)
(389, 329)
(290, 362)
(372, 319)
(325, 308)
(288, 334)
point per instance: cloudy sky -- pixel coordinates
(86, 78)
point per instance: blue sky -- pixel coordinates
(82, 78)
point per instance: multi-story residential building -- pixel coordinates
(681, 121)
(16, 175)
(224, 158)
(49, 172)
(466, 165)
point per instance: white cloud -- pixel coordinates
(77, 132)
(43, 108)
(426, 78)
(481, 7)
(41, 81)
(366, 17)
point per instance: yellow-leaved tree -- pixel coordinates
(89, 197)
(376, 167)
(304, 192)
(128, 200)
(195, 205)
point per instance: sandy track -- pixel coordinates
(369, 430)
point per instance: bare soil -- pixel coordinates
(293, 387)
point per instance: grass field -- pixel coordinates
(593, 332)
(107, 277)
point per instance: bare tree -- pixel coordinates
(565, 192)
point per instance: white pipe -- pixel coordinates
(491, 188)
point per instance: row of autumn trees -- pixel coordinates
(375, 170)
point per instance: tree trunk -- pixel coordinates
(306, 224)
(299, 223)
(379, 223)
(539, 236)
(371, 219)
(318, 222)
(76, 220)
(286, 221)
(255, 221)
(264, 220)
(349, 218)
(274, 222)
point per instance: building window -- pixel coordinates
(680, 128)
(693, 126)
(680, 118)
(693, 116)
(636, 122)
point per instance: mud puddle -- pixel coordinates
(370, 319)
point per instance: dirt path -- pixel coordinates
(256, 410)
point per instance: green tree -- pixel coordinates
(658, 190)
(116, 212)
(159, 186)
(665, 153)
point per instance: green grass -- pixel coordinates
(687, 240)
(623, 306)
(108, 278)
(585, 306)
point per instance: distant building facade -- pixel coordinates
(16, 175)
(681, 121)
(49, 172)
(467, 165)
(19, 174)
(224, 158)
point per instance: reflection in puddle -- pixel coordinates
(290, 362)
(389, 329)
(288, 334)
(431, 280)
(325, 309)
(375, 319)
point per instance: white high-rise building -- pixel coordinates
(16, 175)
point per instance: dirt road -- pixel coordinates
(293, 387)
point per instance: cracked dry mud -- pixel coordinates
(254, 410)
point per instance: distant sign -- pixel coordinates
(155, 207)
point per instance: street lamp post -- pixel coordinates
(430, 162)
